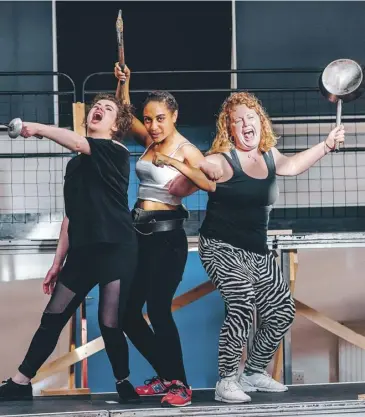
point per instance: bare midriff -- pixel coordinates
(154, 205)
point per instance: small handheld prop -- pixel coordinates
(15, 127)
(120, 41)
(341, 82)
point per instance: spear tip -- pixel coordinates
(119, 22)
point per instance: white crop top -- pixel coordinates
(154, 180)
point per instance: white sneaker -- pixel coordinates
(260, 382)
(228, 390)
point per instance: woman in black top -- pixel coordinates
(97, 236)
(233, 241)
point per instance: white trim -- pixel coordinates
(234, 46)
(54, 62)
(120, 144)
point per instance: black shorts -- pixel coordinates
(98, 263)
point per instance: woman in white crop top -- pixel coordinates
(159, 218)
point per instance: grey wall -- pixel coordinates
(26, 45)
(278, 34)
(297, 35)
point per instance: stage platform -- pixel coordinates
(300, 400)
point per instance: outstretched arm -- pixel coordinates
(138, 130)
(64, 137)
(300, 162)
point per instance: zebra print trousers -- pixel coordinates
(245, 280)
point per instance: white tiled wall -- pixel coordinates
(31, 185)
(338, 179)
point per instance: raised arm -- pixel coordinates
(138, 130)
(64, 137)
(300, 162)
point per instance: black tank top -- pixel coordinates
(238, 211)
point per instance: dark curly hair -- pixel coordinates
(162, 97)
(124, 114)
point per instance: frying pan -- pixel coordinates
(340, 82)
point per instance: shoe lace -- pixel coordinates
(152, 380)
(175, 388)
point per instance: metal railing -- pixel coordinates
(290, 96)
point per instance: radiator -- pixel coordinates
(351, 362)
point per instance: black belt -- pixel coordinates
(159, 226)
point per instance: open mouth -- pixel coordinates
(248, 133)
(97, 116)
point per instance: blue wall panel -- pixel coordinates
(198, 324)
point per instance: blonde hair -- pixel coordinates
(222, 141)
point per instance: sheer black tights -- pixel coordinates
(63, 304)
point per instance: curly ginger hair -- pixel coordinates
(222, 141)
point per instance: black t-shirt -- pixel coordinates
(96, 195)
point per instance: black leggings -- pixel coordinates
(161, 263)
(112, 266)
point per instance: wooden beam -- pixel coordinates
(330, 325)
(65, 391)
(72, 346)
(69, 359)
(293, 269)
(78, 112)
(278, 363)
(192, 295)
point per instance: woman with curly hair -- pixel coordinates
(233, 241)
(97, 237)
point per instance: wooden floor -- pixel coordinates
(308, 400)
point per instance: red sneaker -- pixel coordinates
(154, 386)
(178, 396)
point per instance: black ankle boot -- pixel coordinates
(10, 391)
(126, 392)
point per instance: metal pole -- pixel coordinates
(287, 353)
(234, 47)
(55, 64)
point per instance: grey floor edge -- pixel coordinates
(306, 400)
